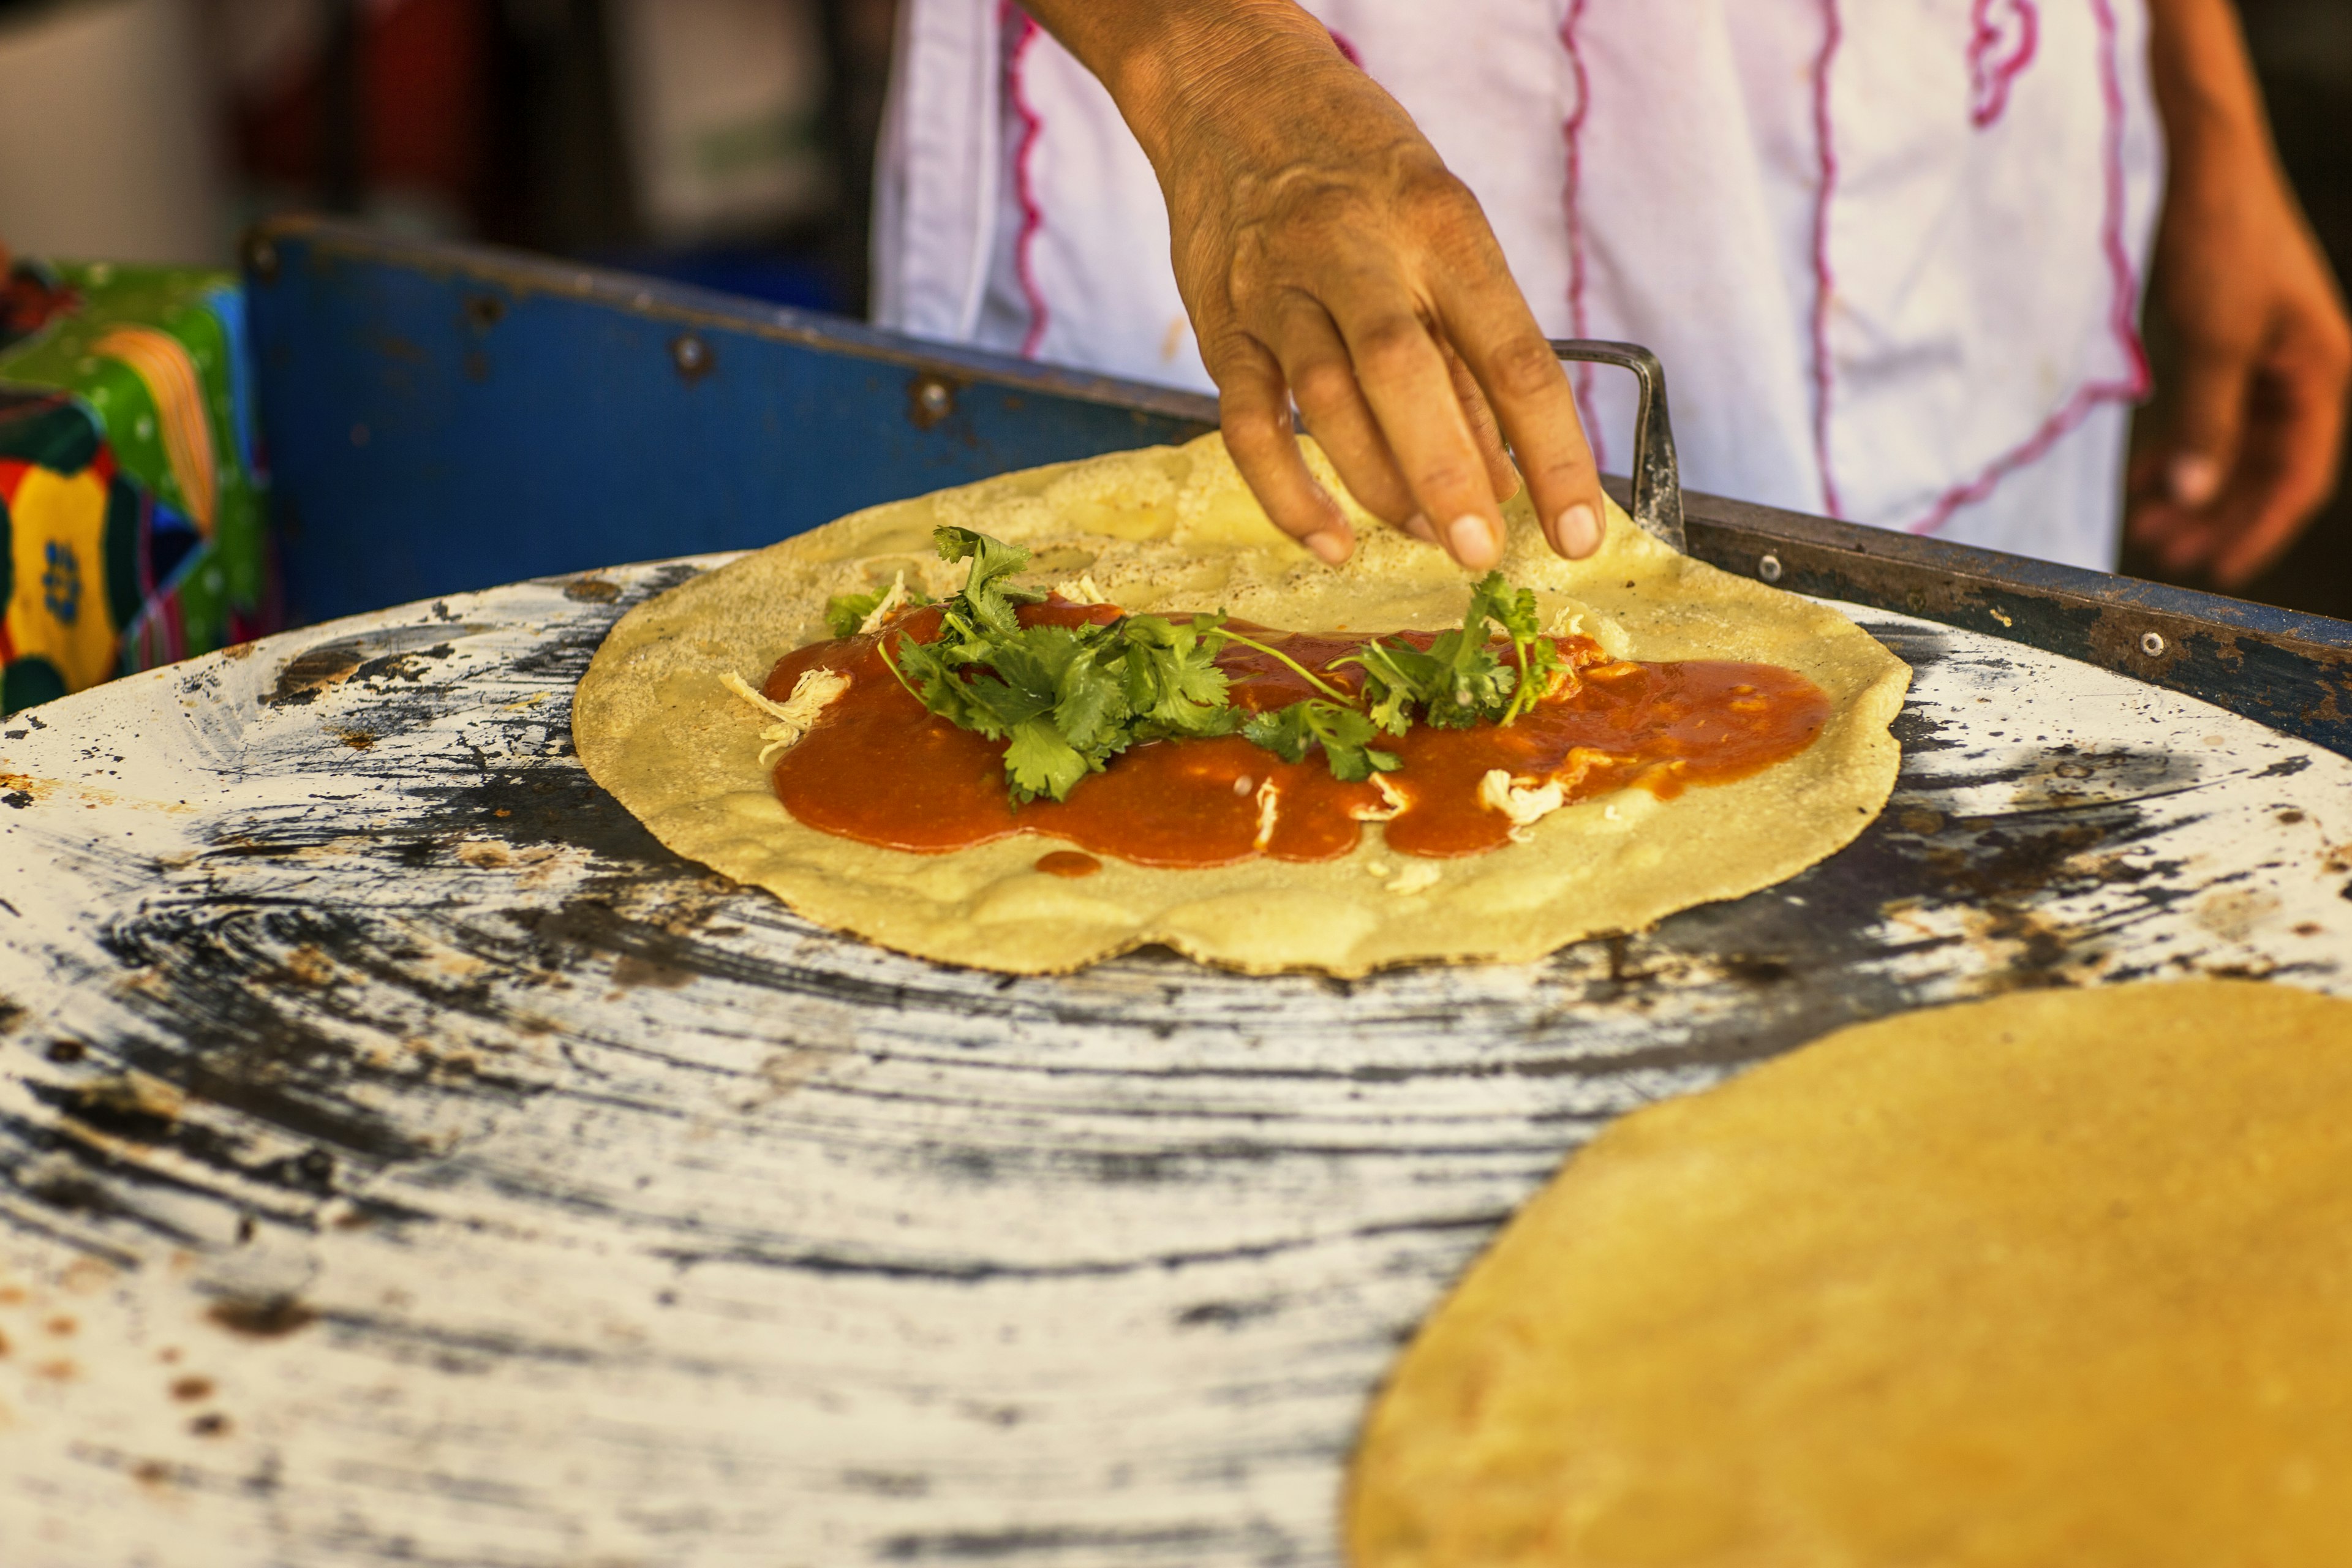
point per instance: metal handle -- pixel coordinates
(1657, 477)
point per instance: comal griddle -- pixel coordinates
(404, 1159)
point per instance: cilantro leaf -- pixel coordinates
(1039, 762)
(986, 598)
(1345, 735)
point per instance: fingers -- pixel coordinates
(2207, 421)
(1254, 410)
(1406, 383)
(2282, 427)
(1501, 473)
(2298, 433)
(1315, 361)
(1501, 345)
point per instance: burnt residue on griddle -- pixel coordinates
(313, 670)
(268, 1318)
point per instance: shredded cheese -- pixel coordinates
(890, 605)
(1267, 805)
(797, 714)
(1525, 807)
(1083, 590)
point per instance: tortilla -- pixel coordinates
(2059, 1277)
(1175, 529)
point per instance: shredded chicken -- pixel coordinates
(1267, 805)
(797, 714)
(891, 603)
(1083, 590)
(1392, 802)
(1417, 878)
(1525, 807)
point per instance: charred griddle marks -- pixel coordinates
(372, 655)
(11, 1013)
(226, 1036)
(976, 1272)
(313, 670)
(1025, 1543)
(1226, 1314)
(268, 1318)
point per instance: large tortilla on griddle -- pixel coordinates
(2057, 1278)
(1175, 529)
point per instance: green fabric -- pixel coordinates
(69, 400)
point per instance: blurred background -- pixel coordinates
(723, 142)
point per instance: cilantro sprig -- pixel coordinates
(1345, 734)
(1065, 700)
(1459, 680)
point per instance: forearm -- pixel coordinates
(2206, 93)
(1178, 66)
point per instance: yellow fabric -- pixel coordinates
(168, 370)
(58, 609)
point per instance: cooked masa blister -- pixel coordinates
(707, 711)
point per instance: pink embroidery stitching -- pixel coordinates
(1033, 215)
(1573, 133)
(1999, 49)
(1825, 282)
(2122, 311)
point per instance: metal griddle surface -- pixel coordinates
(403, 1158)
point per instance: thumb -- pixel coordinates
(2208, 421)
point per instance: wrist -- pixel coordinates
(1174, 66)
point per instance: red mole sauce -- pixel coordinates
(879, 768)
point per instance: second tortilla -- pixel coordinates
(2054, 1279)
(1175, 529)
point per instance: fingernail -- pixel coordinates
(2195, 479)
(1418, 526)
(1471, 543)
(1577, 532)
(1329, 544)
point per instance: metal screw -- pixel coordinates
(2152, 645)
(1769, 569)
(930, 399)
(691, 354)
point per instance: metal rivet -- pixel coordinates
(1769, 569)
(930, 399)
(691, 354)
(2152, 645)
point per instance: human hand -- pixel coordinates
(2251, 427)
(1326, 256)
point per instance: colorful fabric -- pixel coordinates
(132, 503)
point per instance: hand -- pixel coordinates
(2251, 427)
(1326, 256)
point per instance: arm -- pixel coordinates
(2252, 427)
(1327, 257)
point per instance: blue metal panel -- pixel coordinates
(443, 418)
